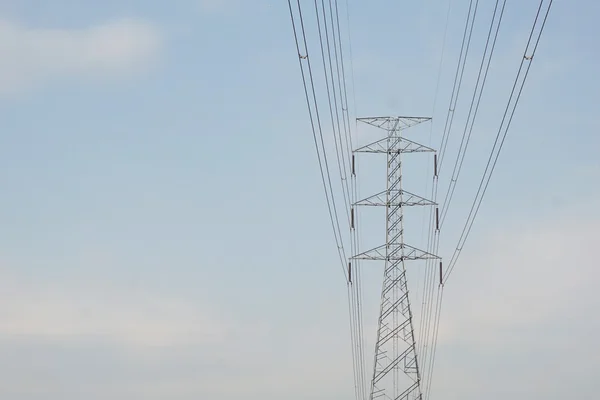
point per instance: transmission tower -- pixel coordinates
(396, 373)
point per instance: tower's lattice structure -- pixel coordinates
(396, 374)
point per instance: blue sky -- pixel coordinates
(163, 232)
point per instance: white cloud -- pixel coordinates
(155, 346)
(126, 318)
(524, 277)
(29, 56)
(522, 308)
(520, 294)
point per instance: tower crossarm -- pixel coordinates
(393, 123)
(398, 198)
(403, 145)
(395, 252)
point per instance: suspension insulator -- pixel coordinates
(350, 272)
(352, 218)
(353, 166)
(437, 218)
(441, 274)
(435, 165)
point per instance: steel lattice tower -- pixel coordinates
(396, 373)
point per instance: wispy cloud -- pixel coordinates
(523, 277)
(31, 56)
(133, 318)
(523, 301)
(161, 345)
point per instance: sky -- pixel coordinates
(163, 230)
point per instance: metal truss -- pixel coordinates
(403, 146)
(395, 252)
(396, 373)
(393, 123)
(401, 198)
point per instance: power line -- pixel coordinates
(485, 179)
(322, 159)
(458, 79)
(330, 37)
(436, 330)
(464, 144)
(433, 237)
(343, 95)
(349, 145)
(433, 311)
(437, 315)
(430, 225)
(340, 155)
